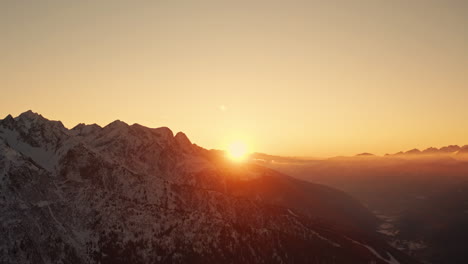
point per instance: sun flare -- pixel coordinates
(237, 150)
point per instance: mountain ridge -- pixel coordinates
(131, 194)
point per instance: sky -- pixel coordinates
(297, 78)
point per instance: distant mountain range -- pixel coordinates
(421, 197)
(131, 194)
(453, 150)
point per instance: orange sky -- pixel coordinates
(303, 78)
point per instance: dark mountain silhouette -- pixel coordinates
(365, 154)
(413, 151)
(450, 149)
(131, 194)
(454, 151)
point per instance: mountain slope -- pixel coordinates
(422, 201)
(314, 200)
(130, 194)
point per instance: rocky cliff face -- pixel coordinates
(131, 194)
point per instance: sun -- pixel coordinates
(237, 150)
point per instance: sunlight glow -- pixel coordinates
(237, 151)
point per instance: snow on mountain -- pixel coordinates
(131, 194)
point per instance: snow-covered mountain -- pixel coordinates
(132, 194)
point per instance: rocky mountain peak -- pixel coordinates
(131, 194)
(117, 124)
(165, 132)
(182, 139)
(84, 130)
(30, 119)
(29, 115)
(8, 122)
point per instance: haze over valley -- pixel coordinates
(237, 132)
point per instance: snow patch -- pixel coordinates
(292, 213)
(392, 260)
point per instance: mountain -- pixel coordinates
(319, 202)
(365, 154)
(462, 153)
(131, 194)
(451, 151)
(422, 200)
(430, 150)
